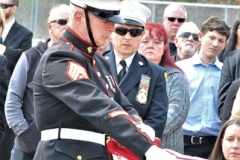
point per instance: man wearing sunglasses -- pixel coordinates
(174, 16)
(203, 71)
(186, 41)
(15, 39)
(19, 102)
(132, 71)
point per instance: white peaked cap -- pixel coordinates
(134, 13)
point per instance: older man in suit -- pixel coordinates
(15, 39)
(141, 81)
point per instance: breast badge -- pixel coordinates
(142, 94)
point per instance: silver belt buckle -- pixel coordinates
(200, 140)
(192, 140)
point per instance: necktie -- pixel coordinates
(0, 40)
(123, 70)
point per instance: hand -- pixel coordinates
(147, 129)
(155, 153)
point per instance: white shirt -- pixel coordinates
(128, 62)
(7, 28)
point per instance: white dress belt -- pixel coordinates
(74, 134)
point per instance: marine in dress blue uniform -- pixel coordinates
(77, 101)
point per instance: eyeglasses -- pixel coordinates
(172, 19)
(133, 32)
(60, 21)
(4, 6)
(187, 35)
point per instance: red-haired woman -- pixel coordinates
(153, 47)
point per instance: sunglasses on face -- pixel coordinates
(172, 19)
(4, 6)
(133, 32)
(187, 35)
(60, 21)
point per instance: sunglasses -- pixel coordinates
(60, 21)
(187, 35)
(133, 32)
(172, 19)
(4, 6)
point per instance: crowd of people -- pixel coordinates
(109, 84)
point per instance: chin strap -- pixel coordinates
(89, 28)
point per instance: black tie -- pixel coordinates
(123, 70)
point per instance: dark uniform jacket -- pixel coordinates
(3, 92)
(154, 111)
(230, 72)
(74, 88)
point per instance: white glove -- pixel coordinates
(155, 153)
(147, 129)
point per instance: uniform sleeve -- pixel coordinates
(224, 85)
(228, 103)
(179, 102)
(13, 106)
(236, 106)
(156, 117)
(86, 99)
(3, 92)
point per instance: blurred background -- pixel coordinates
(33, 13)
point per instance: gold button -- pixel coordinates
(107, 86)
(94, 62)
(99, 74)
(79, 157)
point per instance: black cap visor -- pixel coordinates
(111, 18)
(133, 22)
(108, 15)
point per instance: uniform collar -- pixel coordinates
(85, 47)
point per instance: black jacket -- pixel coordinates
(3, 92)
(228, 103)
(230, 72)
(154, 111)
(74, 88)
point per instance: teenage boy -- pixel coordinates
(203, 72)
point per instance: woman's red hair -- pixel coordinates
(158, 30)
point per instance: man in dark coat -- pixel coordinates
(144, 82)
(15, 40)
(19, 102)
(76, 99)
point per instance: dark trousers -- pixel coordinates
(198, 150)
(17, 154)
(7, 144)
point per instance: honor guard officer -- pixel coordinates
(77, 101)
(143, 82)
